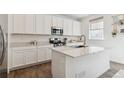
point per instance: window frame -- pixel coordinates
(93, 21)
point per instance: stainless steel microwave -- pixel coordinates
(56, 31)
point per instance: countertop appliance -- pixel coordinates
(58, 41)
(3, 54)
(56, 31)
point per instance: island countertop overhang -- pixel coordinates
(78, 52)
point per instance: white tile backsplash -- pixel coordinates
(40, 38)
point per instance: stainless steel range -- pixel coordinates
(58, 41)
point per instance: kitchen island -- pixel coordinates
(84, 62)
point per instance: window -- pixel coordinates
(96, 29)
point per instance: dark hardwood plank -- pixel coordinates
(37, 71)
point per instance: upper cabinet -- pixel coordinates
(58, 22)
(41, 24)
(29, 24)
(47, 24)
(18, 24)
(68, 27)
(23, 24)
(76, 28)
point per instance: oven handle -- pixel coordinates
(4, 46)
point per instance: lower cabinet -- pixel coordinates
(41, 54)
(48, 54)
(44, 53)
(30, 56)
(18, 58)
(23, 56)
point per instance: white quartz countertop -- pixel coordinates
(77, 52)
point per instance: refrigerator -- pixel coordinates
(3, 53)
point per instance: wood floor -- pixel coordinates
(44, 71)
(37, 71)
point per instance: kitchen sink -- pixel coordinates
(78, 46)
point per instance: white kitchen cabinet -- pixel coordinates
(29, 24)
(23, 55)
(43, 24)
(58, 22)
(23, 24)
(39, 26)
(48, 53)
(18, 57)
(18, 23)
(41, 54)
(30, 55)
(44, 53)
(47, 24)
(76, 28)
(68, 25)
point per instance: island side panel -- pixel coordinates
(88, 66)
(58, 65)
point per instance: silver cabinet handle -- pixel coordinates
(4, 46)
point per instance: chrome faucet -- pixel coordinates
(84, 39)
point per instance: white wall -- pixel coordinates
(115, 45)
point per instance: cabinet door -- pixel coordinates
(47, 24)
(44, 53)
(18, 23)
(29, 24)
(76, 28)
(68, 27)
(39, 24)
(58, 22)
(41, 54)
(18, 58)
(30, 56)
(48, 53)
